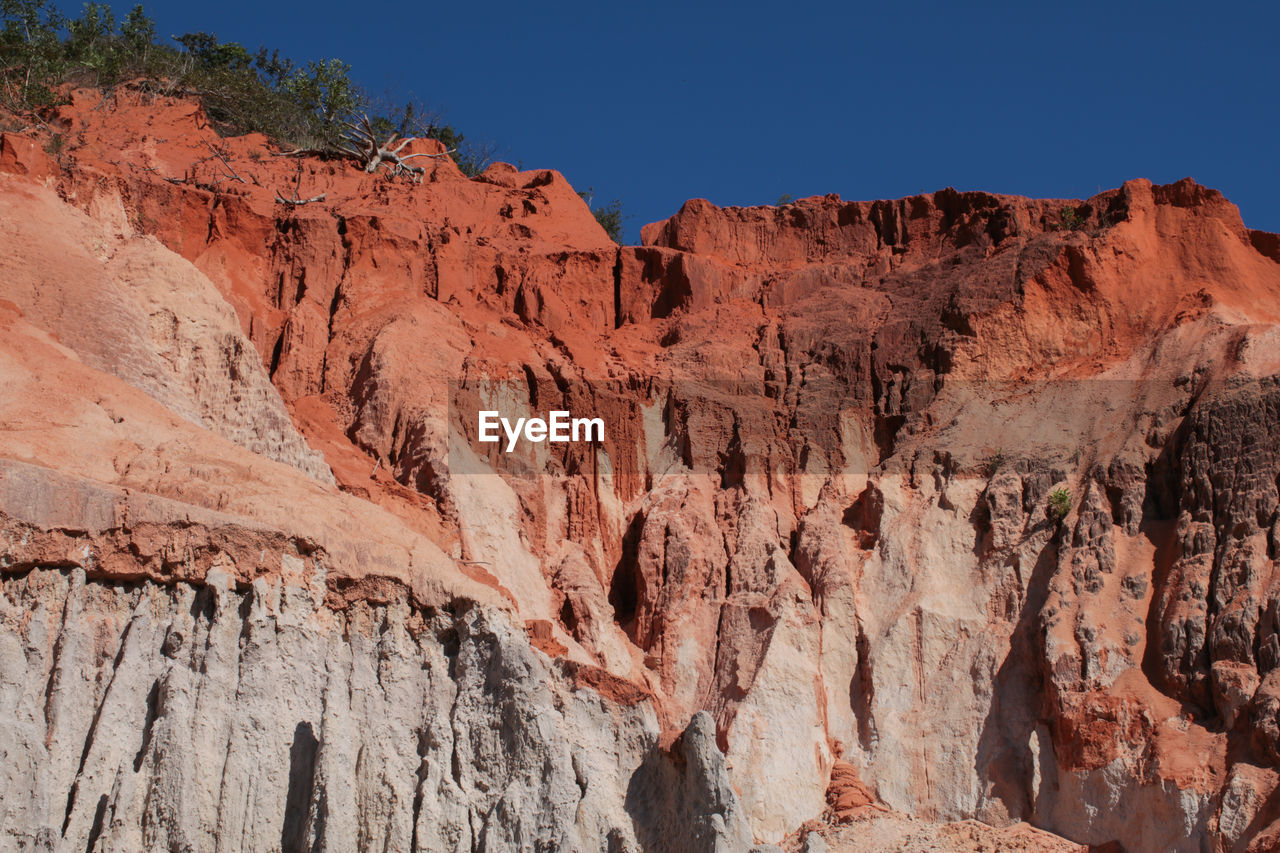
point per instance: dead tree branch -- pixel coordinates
(219, 155)
(298, 202)
(295, 201)
(156, 172)
(361, 143)
(303, 152)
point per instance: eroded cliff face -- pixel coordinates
(401, 731)
(262, 581)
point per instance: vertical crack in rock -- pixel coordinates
(153, 701)
(511, 727)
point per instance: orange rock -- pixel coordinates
(22, 155)
(816, 513)
(846, 794)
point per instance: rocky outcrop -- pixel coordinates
(128, 307)
(270, 722)
(818, 542)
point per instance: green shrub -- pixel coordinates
(31, 52)
(471, 159)
(1072, 219)
(324, 91)
(610, 216)
(138, 32)
(611, 219)
(242, 92)
(1059, 504)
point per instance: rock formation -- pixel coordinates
(264, 588)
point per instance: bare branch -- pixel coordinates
(426, 154)
(301, 152)
(156, 172)
(360, 142)
(218, 154)
(298, 202)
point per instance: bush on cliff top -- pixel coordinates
(610, 216)
(42, 50)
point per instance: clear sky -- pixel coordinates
(657, 102)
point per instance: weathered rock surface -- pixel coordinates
(129, 307)
(816, 547)
(896, 833)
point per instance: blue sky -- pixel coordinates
(740, 103)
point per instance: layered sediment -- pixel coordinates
(265, 589)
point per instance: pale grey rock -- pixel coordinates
(814, 843)
(689, 805)
(140, 717)
(1101, 805)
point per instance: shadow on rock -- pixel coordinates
(681, 801)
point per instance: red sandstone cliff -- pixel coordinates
(820, 511)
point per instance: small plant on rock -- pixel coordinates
(310, 108)
(1059, 504)
(610, 216)
(994, 462)
(1072, 219)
